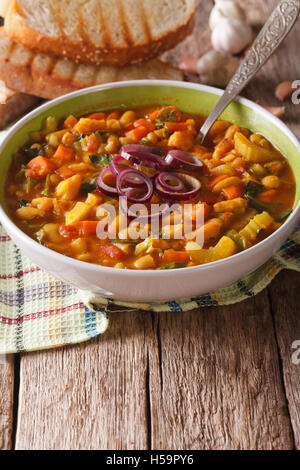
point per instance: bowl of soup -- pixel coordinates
(110, 190)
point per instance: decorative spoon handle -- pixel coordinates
(271, 36)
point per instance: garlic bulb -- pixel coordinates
(231, 35)
(225, 9)
(216, 68)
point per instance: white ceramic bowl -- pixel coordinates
(143, 286)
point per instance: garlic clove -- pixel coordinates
(217, 68)
(188, 64)
(225, 9)
(284, 90)
(278, 111)
(232, 35)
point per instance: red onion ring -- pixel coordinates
(138, 153)
(180, 196)
(104, 188)
(163, 178)
(178, 158)
(127, 178)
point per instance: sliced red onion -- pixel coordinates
(170, 181)
(178, 158)
(138, 153)
(138, 179)
(189, 182)
(105, 188)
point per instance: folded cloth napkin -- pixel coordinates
(38, 311)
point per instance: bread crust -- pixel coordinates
(49, 77)
(85, 52)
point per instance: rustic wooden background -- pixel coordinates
(214, 378)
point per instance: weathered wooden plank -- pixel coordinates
(284, 295)
(6, 401)
(88, 397)
(215, 383)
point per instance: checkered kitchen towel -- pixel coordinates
(39, 312)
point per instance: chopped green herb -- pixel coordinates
(260, 206)
(173, 266)
(253, 189)
(104, 159)
(22, 202)
(32, 152)
(88, 186)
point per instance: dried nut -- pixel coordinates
(278, 111)
(225, 9)
(188, 64)
(284, 90)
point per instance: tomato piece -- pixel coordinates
(64, 172)
(111, 252)
(88, 228)
(232, 192)
(172, 256)
(68, 231)
(138, 133)
(176, 126)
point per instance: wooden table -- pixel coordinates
(214, 378)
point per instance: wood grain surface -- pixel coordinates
(213, 378)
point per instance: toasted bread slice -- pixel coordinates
(48, 77)
(3, 7)
(13, 104)
(111, 32)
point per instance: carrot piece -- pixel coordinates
(153, 116)
(172, 256)
(144, 123)
(114, 115)
(40, 167)
(232, 192)
(217, 180)
(64, 172)
(88, 228)
(176, 126)
(63, 154)
(138, 133)
(267, 196)
(97, 116)
(93, 143)
(111, 252)
(70, 122)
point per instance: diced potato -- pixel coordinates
(50, 232)
(181, 140)
(68, 189)
(87, 126)
(225, 248)
(231, 205)
(78, 213)
(252, 152)
(94, 199)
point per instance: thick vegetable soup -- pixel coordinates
(62, 183)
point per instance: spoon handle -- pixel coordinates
(271, 36)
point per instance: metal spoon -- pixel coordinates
(271, 36)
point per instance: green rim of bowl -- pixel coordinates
(190, 100)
